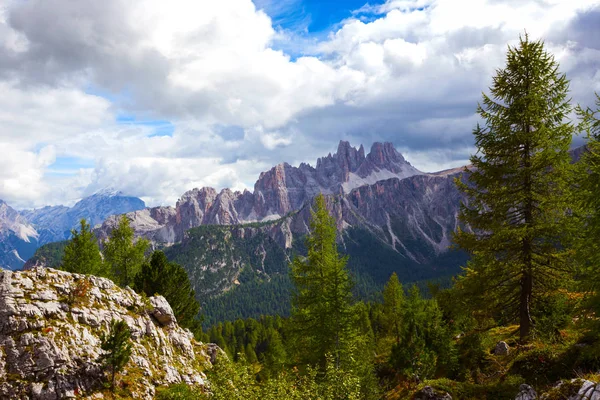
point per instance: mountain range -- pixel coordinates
(22, 232)
(236, 246)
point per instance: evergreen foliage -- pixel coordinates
(518, 189)
(425, 341)
(159, 276)
(589, 196)
(82, 254)
(321, 306)
(393, 306)
(117, 347)
(122, 255)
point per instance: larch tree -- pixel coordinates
(321, 306)
(124, 255)
(516, 222)
(82, 254)
(393, 303)
(589, 195)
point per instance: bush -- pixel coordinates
(180, 391)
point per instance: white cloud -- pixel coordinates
(411, 72)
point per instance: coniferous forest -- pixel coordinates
(523, 310)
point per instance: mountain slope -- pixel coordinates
(21, 233)
(18, 239)
(391, 218)
(50, 327)
(54, 223)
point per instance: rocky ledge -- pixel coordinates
(50, 327)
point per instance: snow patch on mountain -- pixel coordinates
(355, 181)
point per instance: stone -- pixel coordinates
(526, 392)
(579, 389)
(52, 347)
(162, 311)
(429, 393)
(501, 349)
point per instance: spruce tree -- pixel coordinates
(321, 306)
(124, 256)
(117, 347)
(516, 224)
(82, 254)
(159, 276)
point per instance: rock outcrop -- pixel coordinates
(526, 392)
(575, 389)
(50, 327)
(501, 349)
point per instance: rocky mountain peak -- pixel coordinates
(385, 156)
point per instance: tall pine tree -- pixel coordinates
(518, 188)
(321, 307)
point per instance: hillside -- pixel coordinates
(50, 327)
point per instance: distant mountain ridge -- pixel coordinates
(277, 192)
(21, 233)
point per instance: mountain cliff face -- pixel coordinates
(21, 233)
(402, 225)
(391, 218)
(50, 327)
(277, 192)
(18, 239)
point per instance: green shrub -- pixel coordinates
(180, 391)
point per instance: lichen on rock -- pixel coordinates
(50, 327)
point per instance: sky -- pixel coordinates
(154, 98)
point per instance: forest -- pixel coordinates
(520, 317)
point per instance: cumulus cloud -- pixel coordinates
(407, 71)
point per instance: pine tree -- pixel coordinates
(82, 254)
(589, 195)
(171, 281)
(123, 255)
(117, 347)
(518, 188)
(321, 312)
(393, 303)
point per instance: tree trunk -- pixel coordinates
(525, 309)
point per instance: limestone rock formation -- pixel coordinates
(285, 189)
(526, 392)
(50, 327)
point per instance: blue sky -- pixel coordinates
(316, 16)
